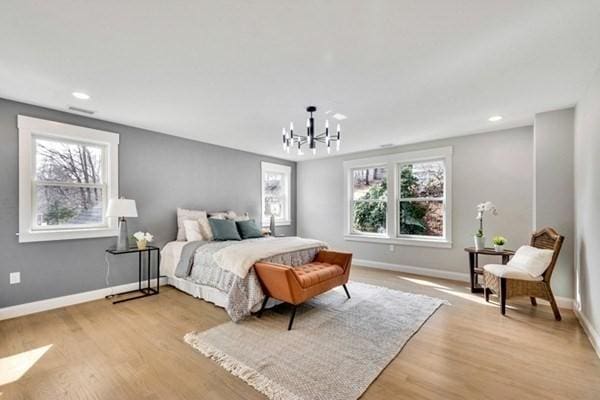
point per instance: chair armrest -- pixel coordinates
(342, 259)
(278, 281)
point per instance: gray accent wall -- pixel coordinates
(587, 208)
(495, 166)
(159, 171)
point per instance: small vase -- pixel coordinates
(141, 244)
(499, 248)
(479, 242)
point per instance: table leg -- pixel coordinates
(472, 271)
(157, 271)
(140, 271)
(148, 267)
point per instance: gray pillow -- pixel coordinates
(248, 229)
(224, 229)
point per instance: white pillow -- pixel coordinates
(205, 229)
(192, 230)
(182, 215)
(222, 215)
(532, 260)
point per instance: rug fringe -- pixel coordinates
(249, 375)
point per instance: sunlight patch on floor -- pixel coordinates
(12, 368)
(423, 282)
(479, 299)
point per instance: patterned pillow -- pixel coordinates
(185, 214)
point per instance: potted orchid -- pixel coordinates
(482, 208)
(499, 242)
(142, 239)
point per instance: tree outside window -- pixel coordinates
(421, 203)
(68, 183)
(369, 200)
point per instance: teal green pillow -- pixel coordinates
(224, 229)
(248, 229)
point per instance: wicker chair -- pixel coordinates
(505, 288)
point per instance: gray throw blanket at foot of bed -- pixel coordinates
(197, 264)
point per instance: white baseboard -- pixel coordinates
(63, 301)
(563, 302)
(589, 330)
(435, 273)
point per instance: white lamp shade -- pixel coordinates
(121, 208)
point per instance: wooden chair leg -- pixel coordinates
(533, 301)
(503, 296)
(346, 290)
(553, 304)
(292, 317)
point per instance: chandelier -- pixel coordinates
(292, 139)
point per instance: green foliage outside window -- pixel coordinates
(371, 216)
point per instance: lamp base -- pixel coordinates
(122, 241)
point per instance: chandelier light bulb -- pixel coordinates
(328, 150)
(308, 122)
(326, 123)
(337, 145)
(314, 151)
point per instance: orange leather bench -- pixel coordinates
(295, 285)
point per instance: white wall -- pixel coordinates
(587, 209)
(496, 166)
(553, 202)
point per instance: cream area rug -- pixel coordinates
(337, 347)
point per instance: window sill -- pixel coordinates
(437, 243)
(45, 236)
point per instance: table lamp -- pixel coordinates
(122, 208)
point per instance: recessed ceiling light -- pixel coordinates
(495, 118)
(81, 95)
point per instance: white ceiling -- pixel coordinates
(234, 72)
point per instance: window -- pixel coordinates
(276, 193)
(369, 200)
(421, 199)
(67, 174)
(401, 198)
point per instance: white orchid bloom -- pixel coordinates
(139, 235)
(149, 237)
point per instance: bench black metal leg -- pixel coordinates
(346, 290)
(292, 317)
(264, 304)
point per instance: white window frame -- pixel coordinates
(32, 128)
(287, 171)
(393, 163)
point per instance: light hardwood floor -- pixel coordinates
(465, 351)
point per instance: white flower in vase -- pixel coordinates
(482, 208)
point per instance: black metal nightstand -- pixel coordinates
(147, 291)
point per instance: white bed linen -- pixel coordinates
(170, 255)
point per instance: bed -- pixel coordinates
(221, 272)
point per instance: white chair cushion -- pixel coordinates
(506, 271)
(532, 260)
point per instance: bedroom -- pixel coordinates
(187, 107)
